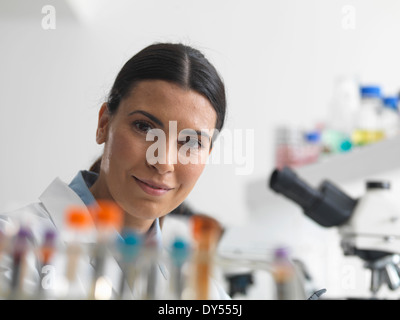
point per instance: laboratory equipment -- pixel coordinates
(335, 141)
(108, 218)
(47, 251)
(369, 226)
(389, 117)
(129, 248)
(179, 254)
(343, 108)
(367, 124)
(284, 274)
(317, 294)
(151, 257)
(92, 257)
(3, 251)
(289, 146)
(20, 249)
(78, 224)
(206, 232)
(239, 283)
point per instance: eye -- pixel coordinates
(193, 142)
(141, 126)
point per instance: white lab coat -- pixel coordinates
(49, 213)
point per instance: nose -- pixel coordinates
(164, 168)
(166, 158)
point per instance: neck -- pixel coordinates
(130, 222)
(139, 225)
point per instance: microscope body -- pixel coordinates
(369, 226)
(375, 222)
(373, 234)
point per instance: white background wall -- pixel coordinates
(279, 60)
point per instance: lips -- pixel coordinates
(152, 188)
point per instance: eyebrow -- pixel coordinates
(199, 132)
(159, 122)
(148, 115)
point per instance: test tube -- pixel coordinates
(3, 251)
(46, 253)
(129, 247)
(78, 222)
(206, 232)
(20, 250)
(284, 274)
(108, 218)
(150, 271)
(180, 251)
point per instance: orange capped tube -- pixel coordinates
(107, 215)
(78, 218)
(206, 232)
(79, 224)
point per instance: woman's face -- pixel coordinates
(156, 146)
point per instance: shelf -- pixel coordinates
(373, 159)
(361, 163)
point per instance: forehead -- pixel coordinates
(169, 102)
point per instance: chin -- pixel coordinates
(147, 211)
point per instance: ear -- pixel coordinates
(102, 125)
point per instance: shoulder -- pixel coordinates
(33, 215)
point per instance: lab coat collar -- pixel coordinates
(57, 198)
(81, 183)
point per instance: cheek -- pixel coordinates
(189, 174)
(124, 149)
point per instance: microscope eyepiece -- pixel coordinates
(286, 182)
(327, 205)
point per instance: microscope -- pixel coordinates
(369, 226)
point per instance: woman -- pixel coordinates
(164, 110)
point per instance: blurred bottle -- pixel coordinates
(20, 250)
(4, 247)
(129, 249)
(389, 117)
(148, 287)
(108, 218)
(284, 274)
(367, 126)
(46, 254)
(289, 147)
(78, 226)
(206, 233)
(313, 146)
(334, 141)
(179, 255)
(343, 109)
(344, 105)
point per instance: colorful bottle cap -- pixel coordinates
(206, 230)
(370, 91)
(77, 217)
(107, 214)
(130, 245)
(391, 102)
(180, 251)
